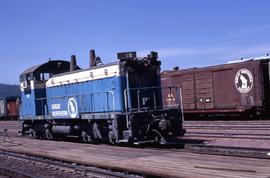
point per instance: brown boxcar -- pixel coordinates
(228, 89)
(9, 108)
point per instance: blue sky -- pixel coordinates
(185, 33)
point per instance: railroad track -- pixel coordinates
(153, 157)
(4, 173)
(184, 146)
(28, 166)
(257, 130)
(265, 137)
(229, 151)
(227, 123)
(207, 130)
(245, 127)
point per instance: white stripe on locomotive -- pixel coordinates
(85, 75)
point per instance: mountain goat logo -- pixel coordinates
(72, 108)
(243, 81)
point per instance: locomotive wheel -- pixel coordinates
(85, 137)
(159, 137)
(32, 133)
(96, 132)
(112, 138)
(48, 134)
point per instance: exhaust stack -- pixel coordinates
(92, 58)
(73, 63)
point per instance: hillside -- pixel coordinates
(9, 90)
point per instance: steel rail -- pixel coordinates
(73, 166)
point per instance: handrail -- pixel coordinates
(178, 101)
(127, 107)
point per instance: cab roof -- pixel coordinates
(52, 66)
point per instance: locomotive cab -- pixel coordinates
(33, 89)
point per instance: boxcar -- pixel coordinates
(9, 108)
(235, 89)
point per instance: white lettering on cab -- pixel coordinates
(56, 106)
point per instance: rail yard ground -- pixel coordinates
(246, 134)
(212, 149)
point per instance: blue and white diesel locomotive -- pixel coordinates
(117, 102)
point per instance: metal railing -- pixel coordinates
(156, 92)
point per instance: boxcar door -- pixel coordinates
(204, 90)
(187, 85)
(224, 89)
